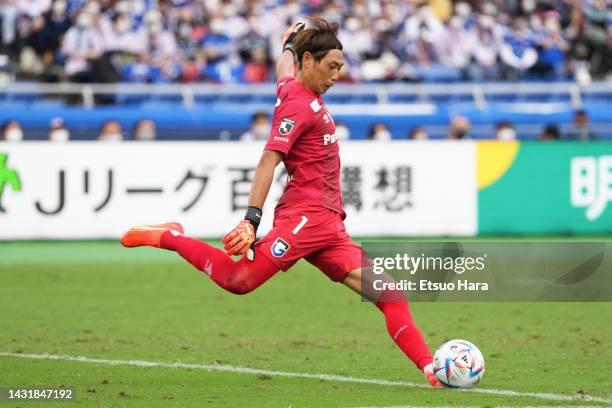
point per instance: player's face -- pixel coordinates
(325, 72)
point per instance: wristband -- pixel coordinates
(289, 46)
(253, 215)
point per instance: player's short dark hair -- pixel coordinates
(318, 38)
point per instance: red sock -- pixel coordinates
(404, 331)
(239, 277)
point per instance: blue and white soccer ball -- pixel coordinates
(458, 364)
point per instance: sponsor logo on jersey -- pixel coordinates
(286, 126)
(315, 106)
(279, 247)
(329, 139)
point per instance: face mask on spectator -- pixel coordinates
(506, 134)
(84, 20)
(216, 26)
(536, 23)
(59, 7)
(112, 137)
(352, 24)
(528, 5)
(486, 21)
(13, 135)
(381, 25)
(59, 135)
(552, 26)
(463, 9)
(342, 132)
(489, 9)
(382, 135)
(185, 30)
(122, 7)
(93, 8)
(254, 23)
(456, 23)
(230, 10)
(261, 131)
(420, 135)
(123, 25)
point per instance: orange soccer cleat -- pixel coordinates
(148, 235)
(428, 371)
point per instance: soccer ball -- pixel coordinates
(458, 364)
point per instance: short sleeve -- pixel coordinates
(282, 82)
(291, 120)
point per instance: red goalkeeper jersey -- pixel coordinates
(304, 131)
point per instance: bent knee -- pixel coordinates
(238, 285)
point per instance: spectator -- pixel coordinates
(11, 131)
(161, 48)
(259, 129)
(58, 131)
(111, 130)
(8, 14)
(125, 38)
(217, 47)
(358, 41)
(342, 131)
(82, 44)
(517, 50)
(582, 127)
(455, 48)
(459, 128)
(504, 131)
(485, 41)
(551, 47)
(379, 131)
(550, 132)
(144, 129)
(47, 31)
(418, 133)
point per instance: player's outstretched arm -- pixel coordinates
(286, 62)
(240, 239)
(285, 65)
(264, 174)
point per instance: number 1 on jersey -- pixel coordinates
(300, 225)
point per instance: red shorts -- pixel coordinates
(316, 234)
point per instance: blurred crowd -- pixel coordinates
(237, 41)
(459, 128)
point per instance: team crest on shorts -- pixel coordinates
(286, 126)
(279, 247)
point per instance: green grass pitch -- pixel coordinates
(98, 300)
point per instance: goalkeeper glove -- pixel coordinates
(290, 34)
(241, 239)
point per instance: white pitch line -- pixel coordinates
(321, 377)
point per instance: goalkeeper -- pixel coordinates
(308, 219)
